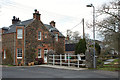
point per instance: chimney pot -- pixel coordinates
(15, 20)
(36, 15)
(52, 23)
(35, 10)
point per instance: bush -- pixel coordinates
(81, 47)
(100, 63)
(38, 61)
(30, 55)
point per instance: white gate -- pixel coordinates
(69, 60)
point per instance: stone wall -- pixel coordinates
(8, 44)
(31, 38)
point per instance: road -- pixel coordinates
(46, 72)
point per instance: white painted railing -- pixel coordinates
(66, 60)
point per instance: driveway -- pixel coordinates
(47, 72)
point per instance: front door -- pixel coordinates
(45, 55)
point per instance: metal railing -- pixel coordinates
(68, 60)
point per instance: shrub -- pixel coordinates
(30, 55)
(38, 61)
(81, 46)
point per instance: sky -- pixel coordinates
(66, 13)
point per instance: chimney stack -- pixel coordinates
(15, 20)
(68, 38)
(52, 23)
(36, 15)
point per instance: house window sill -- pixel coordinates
(39, 57)
(19, 57)
(19, 38)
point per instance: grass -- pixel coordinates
(110, 69)
(8, 65)
(110, 66)
(115, 61)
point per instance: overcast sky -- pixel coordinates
(66, 13)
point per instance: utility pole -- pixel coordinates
(83, 29)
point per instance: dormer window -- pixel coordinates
(39, 35)
(19, 33)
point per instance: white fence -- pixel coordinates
(69, 60)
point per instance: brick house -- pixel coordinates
(22, 36)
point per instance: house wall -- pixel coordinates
(62, 43)
(28, 41)
(70, 52)
(8, 44)
(31, 38)
(19, 44)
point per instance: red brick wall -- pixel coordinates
(20, 44)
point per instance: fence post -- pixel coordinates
(65, 58)
(68, 60)
(78, 59)
(60, 60)
(53, 59)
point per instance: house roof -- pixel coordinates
(70, 47)
(12, 28)
(51, 29)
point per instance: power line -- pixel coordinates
(29, 8)
(73, 27)
(76, 25)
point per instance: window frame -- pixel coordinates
(45, 51)
(19, 53)
(39, 52)
(19, 35)
(46, 36)
(39, 35)
(56, 37)
(4, 54)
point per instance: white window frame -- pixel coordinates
(19, 33)
(56, 37)
(18, 53)
(4, 54)
(39, 52)
(39, 35)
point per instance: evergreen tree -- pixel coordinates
(81, 46)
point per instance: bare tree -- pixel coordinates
(69, 33)
(75, 36)
(109, 25)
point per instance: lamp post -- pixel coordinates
(118, 28)
(94, 61)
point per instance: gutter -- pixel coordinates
(24, 46)
(14, 47)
